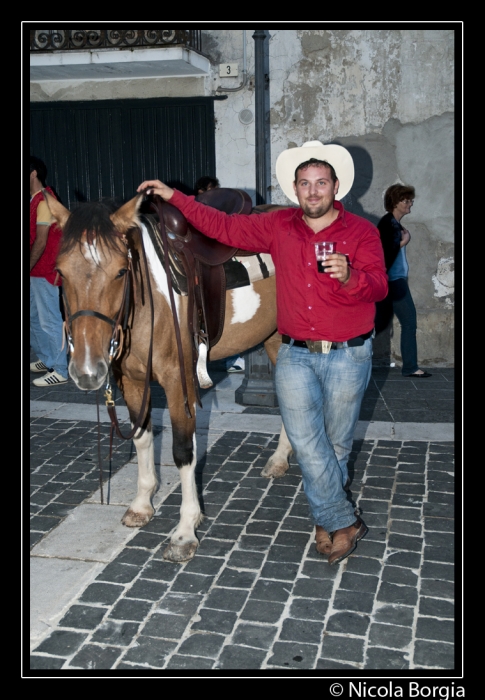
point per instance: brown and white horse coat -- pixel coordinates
(93, 261)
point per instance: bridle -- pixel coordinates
(118, 324)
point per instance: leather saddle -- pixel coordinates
(197, 262)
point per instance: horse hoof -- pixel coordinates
(275, 470)
(178, 553)
(133, 519)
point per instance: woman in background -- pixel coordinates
(398, 201)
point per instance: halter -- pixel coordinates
(115, 345)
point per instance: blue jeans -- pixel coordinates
(403, 307)
(46, 330)
(319, 397)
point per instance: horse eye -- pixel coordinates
(58, 272)
(121, 272)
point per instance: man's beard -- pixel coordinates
(316, 213)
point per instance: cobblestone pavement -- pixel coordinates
(257, 595)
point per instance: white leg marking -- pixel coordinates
(190, 515)
(158, 271)
(277, 465)
(202, 375)
(245, 302)
(147, 478)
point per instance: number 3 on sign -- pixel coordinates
(228, 70)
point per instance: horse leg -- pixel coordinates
(141, 509)
(183, 542)
(278, 464)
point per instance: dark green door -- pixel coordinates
(106, 148)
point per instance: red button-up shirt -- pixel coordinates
(310, 304)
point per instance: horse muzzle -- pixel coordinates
(90, 378)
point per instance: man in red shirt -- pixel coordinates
(326, 320)
(46, 326)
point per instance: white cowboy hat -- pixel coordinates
(338, 156)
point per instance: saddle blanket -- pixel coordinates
(258, 267)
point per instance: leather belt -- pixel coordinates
(324, 346)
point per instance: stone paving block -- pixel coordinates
(436, 607)
(387, 635)
(166, 626)
(115, 632)
(437, 571)
(160, 570)
(332, 665)
(440, 554)
(62, 643)
(253, 635)
(210, 620)
(433, 655)
(146, 590)
(118, 573)
(439, 525)
(209, 566)
(94, 657)
(262, 611)
(240, 657)
(395, 615)
(103, 593)
(342, 648)
(232, 517)
(405, 527)
(233, 578)
(348, 623)
(362, 565)
(386, 659)
(262, 527)
(360, 583)
(179, 604)
(83, 617)
(282, 553)
(214, 548)
(195, 663)
(397, 594)
(245, 560)
(230, 599)
(353, 601)
(146, 540)
(274, 591)
(307, 631)
(134, 556)
(432, 629)
(192, 583)
(202, 644)
(293, 655)
(131, 609)
(283, 571)
(396, 574)
(405, 513)
(408, 560)
(150, 652)
(437, 589)
(45, 663)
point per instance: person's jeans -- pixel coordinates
(403, 306)
(319, 396)
(46, 330)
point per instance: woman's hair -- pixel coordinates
(395, 194)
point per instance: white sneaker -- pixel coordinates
(50, 379)
(38, 366)
(238, 366)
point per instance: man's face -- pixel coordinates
(315, 190)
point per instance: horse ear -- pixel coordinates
(127, 216)
(58, 210)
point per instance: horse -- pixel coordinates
(100, 257)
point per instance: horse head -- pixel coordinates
(94, 262)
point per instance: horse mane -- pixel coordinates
(93, 218)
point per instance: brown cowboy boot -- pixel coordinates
(344, 541)
(323, 541)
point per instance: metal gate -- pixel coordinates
(106, 148)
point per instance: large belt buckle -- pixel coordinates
(323, 346)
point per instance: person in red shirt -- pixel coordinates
(326, 320)
(46, 325)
